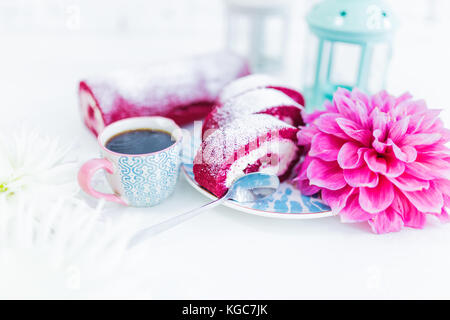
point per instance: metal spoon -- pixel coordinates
(249, 188)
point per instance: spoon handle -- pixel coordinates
(172, 222)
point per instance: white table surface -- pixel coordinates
(224, 253)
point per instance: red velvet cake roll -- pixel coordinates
(258, 81)
(257, 142)
(181, 90)
(269, 101)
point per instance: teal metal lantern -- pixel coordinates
(353, 47)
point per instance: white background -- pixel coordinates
(46, 47)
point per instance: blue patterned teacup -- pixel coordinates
(141, 180)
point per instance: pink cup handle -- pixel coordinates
(86, 173)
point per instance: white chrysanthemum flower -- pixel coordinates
(52, 244)
(64, 250)
(34, 164)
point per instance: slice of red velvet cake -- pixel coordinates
(183, 90)
(258, 81)
(268, 101)
(257, 142)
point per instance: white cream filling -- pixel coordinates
(288, 120)
(282, 151)
(86, 101)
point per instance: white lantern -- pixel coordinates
(258, 29)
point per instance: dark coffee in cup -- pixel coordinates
(140, 141)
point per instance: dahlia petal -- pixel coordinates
(361, 177)
(327, 124)
(421, 139)
(420, 171)
(444, 186)
(354, 131)
(386, 221)
(303, 167)
(389, 104)
(404, 97)
(375, 163)
(350, 156)
(352, 109)
(429, 118)
(435, 150)
(337, 199)
(326, 174)
(427, 200)
(330, 107)
(429, 168)
(343, 92)
(310, 117)
(394, 167)
(377, 199)
(414, 219)
(416, 106)
(344, 105)
(445, 135)
(446, 200)
(362, 113)
(406, 153)
(401, 111)
(377, 100)
(398, 129)
(379, 146)
(401, 204)
(408, 182)
(443, 216)
(358, 95)
(302, 180)
(379, 122)
(325, 147)
(306, 188)
(352, 212)
(411, 216)
(415, 122)
(305, 135)
(437, 126)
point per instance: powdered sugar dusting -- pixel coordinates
(255, 101)
(164, 88)
(248, 83)
(222, 144)
(245, 84)
(173, 83)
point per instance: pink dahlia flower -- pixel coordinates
(380, 159)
